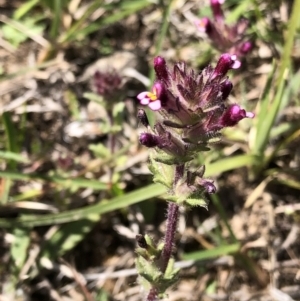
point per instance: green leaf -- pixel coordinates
(100, 150)
(94, 97)
(12, 31)
(19, 246)
(148, 270)
(199, 202)
(68, 236)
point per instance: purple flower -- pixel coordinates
(208, 185)
(150, 99)
(225, 63)
(233, 115)
(192, 106)
(108, 84)
(225, 38)
(153, 99)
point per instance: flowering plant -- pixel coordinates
(192, 108)
(224, 37)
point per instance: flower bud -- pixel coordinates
(161, 69)
(225, 37)
(245, 48)
(208, 185)
(226, 88)
(225, 63)
(204, 25)
(141, 241)
(143, 118)
(150, 140)
(217, 9)
(233, 115)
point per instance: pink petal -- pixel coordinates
(155, 105)
(145, 101)
(250, 115)
(202, 24)
(142, 95)
(236, 64)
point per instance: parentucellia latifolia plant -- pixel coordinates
(225, 38)
(192, 111)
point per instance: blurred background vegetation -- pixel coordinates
(74, 184)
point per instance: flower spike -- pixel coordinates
(192, 106)
(224, 37)
(193, 111)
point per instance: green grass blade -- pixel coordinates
(162, 35)
(24, 9)
(227, 164)
(12, 147)
(216, 252)
(103, 207)
(218, 205)
(263, 133)
(264, 128)
(8, 155)
(75, 28)
(78, 30)
(57, 17)
(241, 9)
(263, 105)
(11, 142)
(29, 194)
(289, 41)
(65, 182)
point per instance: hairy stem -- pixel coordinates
(111, 143)
(172, 220)
(152, 296)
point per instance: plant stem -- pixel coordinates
(152, 296)
(172, 220)
(111, 142)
